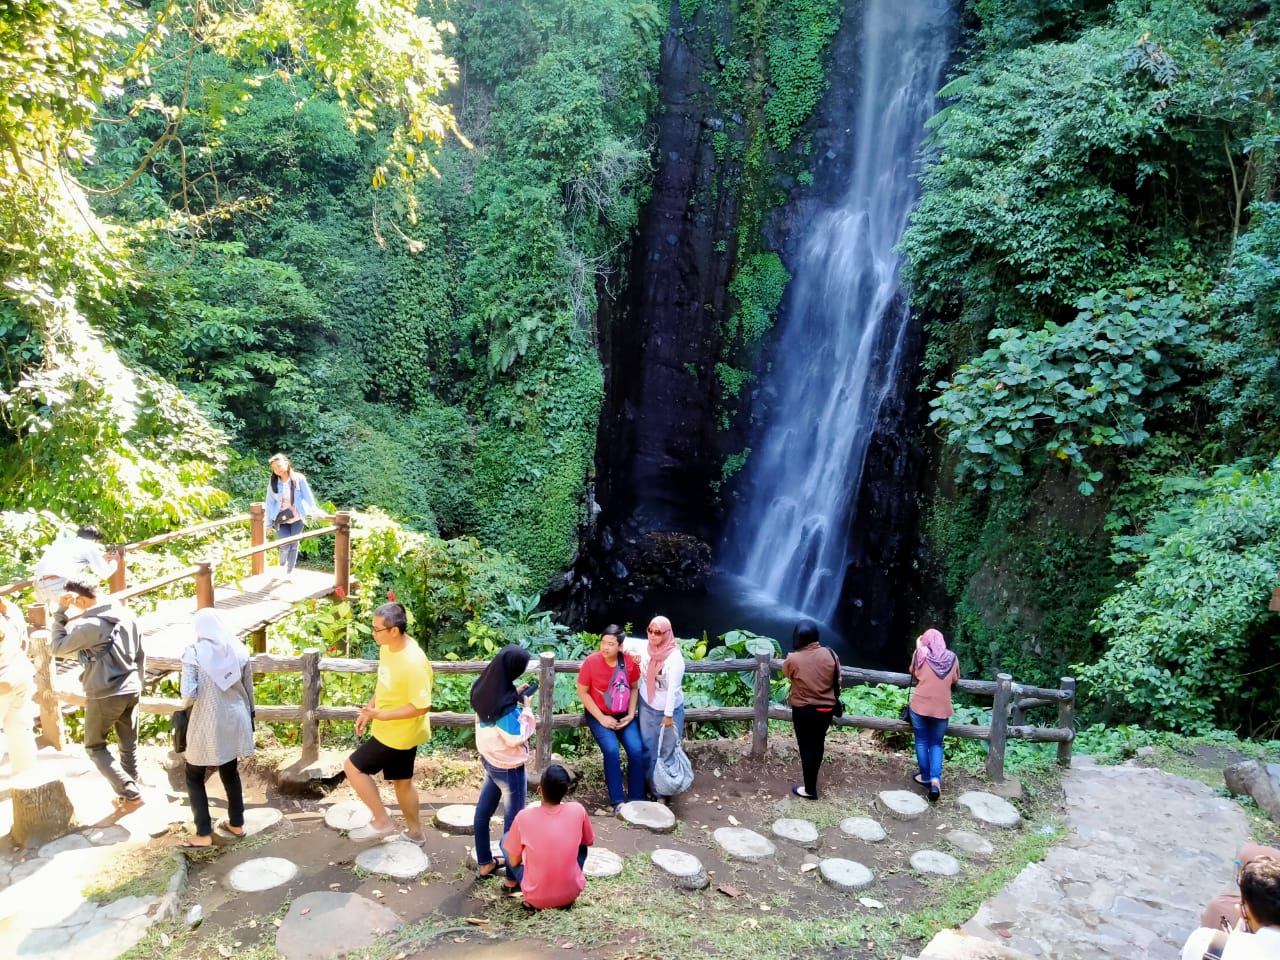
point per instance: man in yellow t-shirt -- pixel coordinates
(398, 712)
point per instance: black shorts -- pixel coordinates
(373, 756)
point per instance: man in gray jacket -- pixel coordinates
(105, 639)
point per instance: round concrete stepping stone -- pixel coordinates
(395, 858)
(932, 861)
(990, 809)
(458, 818)
(801, 832)
(862, 828)
(263, 873)
(106, 836)
(739, 843)
(257, 819)
(347, 815)
(601, 864)
(845, 874)
(655, 817)
(903, 804)
(321, 925)
(971, 843)
(684, 868)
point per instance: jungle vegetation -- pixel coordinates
(380, 235)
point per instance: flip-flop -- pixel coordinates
(188, 845)
(497, 863)
(225, 826)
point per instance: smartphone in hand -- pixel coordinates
(529, 689)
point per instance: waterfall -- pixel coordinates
(842, 327)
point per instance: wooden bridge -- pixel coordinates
(248, 604)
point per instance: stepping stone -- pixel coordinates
(601, 864)
(971, 843)
(990, 809)
(845, 874)
(459, 818)
(655, 817)
(932, 861)
(801, 832)
(347, 815)
(684, 868)
(863, 828)
(739, 843)
(903, 804)
(263, 873)
(258, 819)
(395, 858)
(324, 924)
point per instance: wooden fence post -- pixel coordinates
(119, 575)
(311, 688)
(760, 707)
(50, 709)
(258, 640)
(204, 584)
(999, 727)
(342, 551)
(1067, 721)
(257, 537)
(546, 706)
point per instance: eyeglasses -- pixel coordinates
(381, 629)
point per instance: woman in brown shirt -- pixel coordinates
(937, 671)
(814, 674)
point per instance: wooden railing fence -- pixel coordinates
(313, 666)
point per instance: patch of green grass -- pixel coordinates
(145, 873)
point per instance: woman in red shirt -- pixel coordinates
(937, 671)
(607, 688)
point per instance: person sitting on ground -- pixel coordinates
(1223, 911)
(607, 683)
(106, 641)
(547, 846)
(217, 687)
(397, 714)
(504, 724)
(17, 686)
(1258, 937)
(78, 557)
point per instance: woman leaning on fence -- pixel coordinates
(936, 671)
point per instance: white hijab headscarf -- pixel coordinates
(219, 652)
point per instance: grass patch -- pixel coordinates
(145, 873)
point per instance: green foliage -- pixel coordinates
(1185, 635)
(758, 286)
(795, 46)
(1087, 383)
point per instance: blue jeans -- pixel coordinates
(651, 729)
(289, 552)
(629, 736)
(498, 784)
(517, 873)
(929, 732)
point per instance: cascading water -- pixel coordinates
(841, 334)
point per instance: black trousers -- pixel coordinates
(230, 774)
(811, 737)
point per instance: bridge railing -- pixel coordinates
(1002, 690)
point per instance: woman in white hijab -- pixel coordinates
(217, 686)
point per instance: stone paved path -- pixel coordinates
(1145, 852)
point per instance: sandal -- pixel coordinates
(509, 888)
(800, 792)
(494, 865)
(192, 845)
(226, 827)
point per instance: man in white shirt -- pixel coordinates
(80, 558)
(1258, 935)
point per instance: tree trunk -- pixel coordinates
(41, 811)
